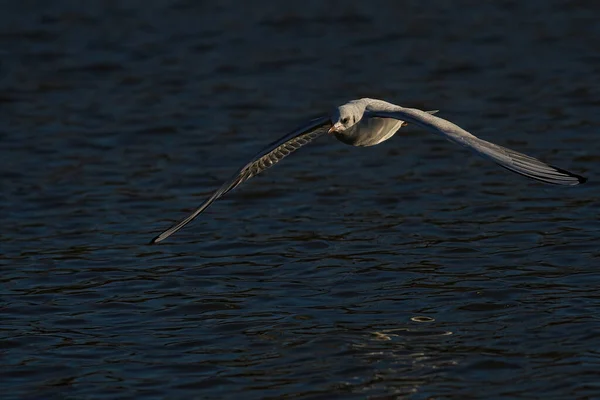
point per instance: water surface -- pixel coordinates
(406, 270)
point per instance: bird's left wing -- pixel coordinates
(512, 160)
(269, 156)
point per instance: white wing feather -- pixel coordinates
(512, 160)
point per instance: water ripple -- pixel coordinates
(406, 270)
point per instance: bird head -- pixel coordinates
(343, 118)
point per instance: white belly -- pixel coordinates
(369, 131)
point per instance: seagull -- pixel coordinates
(367, 122)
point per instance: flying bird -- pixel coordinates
(367, 122)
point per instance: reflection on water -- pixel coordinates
(406, 269)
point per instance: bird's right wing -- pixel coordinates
(269, 156)
(512, 160)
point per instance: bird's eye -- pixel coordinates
(344, 120)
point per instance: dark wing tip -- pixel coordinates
(580, 179)
(159, 238)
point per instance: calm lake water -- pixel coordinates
(406, 270)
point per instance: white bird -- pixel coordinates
(367, 122)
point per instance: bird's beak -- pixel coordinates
(334, 129)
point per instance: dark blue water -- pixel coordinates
(406, 270)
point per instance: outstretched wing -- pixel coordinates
(269, 156)
(507, 158)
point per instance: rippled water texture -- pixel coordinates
(410, 269)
